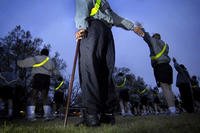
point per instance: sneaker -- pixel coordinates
(49, 118)
(156, 113)
(31, 119)
(144, 114)
(123, 114)
(129, 114)
(172, 114)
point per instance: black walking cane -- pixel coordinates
(71, 82)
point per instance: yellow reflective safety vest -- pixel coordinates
(194, 86)
(41, 63)
(123, 84)
(159, 54)
(59, 86)
(143, 91)
(95, 9)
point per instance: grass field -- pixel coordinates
(184, 123)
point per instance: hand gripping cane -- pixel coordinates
(71, 82)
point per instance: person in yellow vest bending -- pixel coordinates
(42, 69)
(160, 62)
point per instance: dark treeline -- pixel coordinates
(20, 44)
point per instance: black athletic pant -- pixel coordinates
(186, 97)
(96, 64)
(41, 84)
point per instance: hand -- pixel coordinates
(138, 30)
(81, 34)
(173, 59)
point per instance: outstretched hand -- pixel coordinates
(173, 59)
(138, 29)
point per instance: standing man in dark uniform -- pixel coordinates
(184, 84)
(94, 19)
(160, 62)
(195, 88)
(196, 92)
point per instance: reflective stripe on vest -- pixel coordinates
(59, 86)
(159, 54)
(41, 63)
(96, 7)
(194, 86)
(142, 92)
(123, 84)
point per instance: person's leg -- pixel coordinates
(164, 77)
(91, 74)
(135, 110)
(9, 95)
(155, 104)
(144, 112)
(190, 100)
(187, 98)
(30, 110)
(122, 108)
(33, 97)
(144, 105)
(45, 98)
(182, 95)
(107, 93)
(111, 100)
(128, 107)
(169, 96)
(89, 70)
(46, 102)
(10, 107)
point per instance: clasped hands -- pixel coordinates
(139, 30)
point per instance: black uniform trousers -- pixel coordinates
(41, 84)
(186, 97)
(96, 64)
(163, 72)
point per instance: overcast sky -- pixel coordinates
(178, 22)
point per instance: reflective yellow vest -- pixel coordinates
(96, 7)
(159, 54)
(142, 92)
(59, 86)
(41, 63)
(123, 84)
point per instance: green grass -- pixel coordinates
(184, 123)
